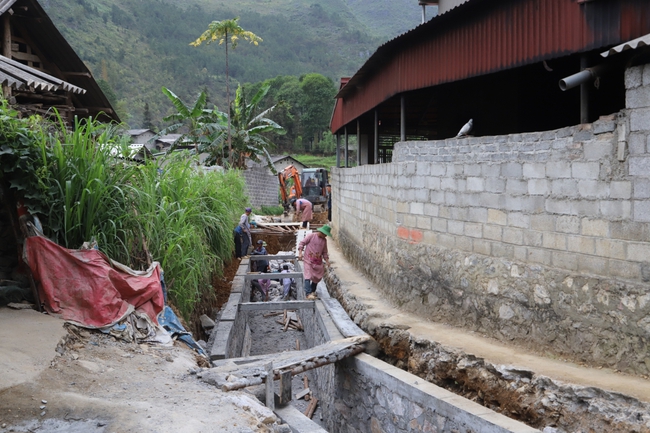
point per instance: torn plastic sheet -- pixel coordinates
(170, 322)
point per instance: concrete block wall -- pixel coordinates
(542, 237)
(263, 187)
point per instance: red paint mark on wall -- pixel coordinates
(415, 236)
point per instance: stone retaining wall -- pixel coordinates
(263, 188)
(541, 238)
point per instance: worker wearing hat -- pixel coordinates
(314, 246)
(262, 264)
(245, 227)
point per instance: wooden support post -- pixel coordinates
(309, 412)
(285, 387)
(270, 393)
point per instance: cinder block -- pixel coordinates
(513, 236)
(421, 168)
(625, 269)
(481, 246)
(495, 216)
(431, 209)
(594, 265)
(437, 197)
(558, 169)
(475, 184)
(611, 249)
(474, 230)
(423, 223)
(640, 165)
(490, 200)
(568, 224)
(511, 170)
(433, 183)
(554, 241)
(640, 119)
(490, 170)
(464, 243)
(636, 143)
(585, 170)
(638, 97)
(492, 232)
(534, 170)
(538, 187)
(447, 183)
(477, 214)
(516, 186)
(633, 77)
(562, 260)
(539, 255)
(532, 238)
(638, 251)
(518, 219)
(581, 244)
(472, 170)
(495, 185)
(452, 198)
(585, 207)
(561, 207)
(447, 241)
(436, 169)
(514, 203)
(456, 227)
(416, 208)
(545, 223)
(641, 210)
(616, 209)
(646, 75)
(418, 182)
(598, 149)
(620, 189)
(503, 250)
(630, 231)
(641, 188)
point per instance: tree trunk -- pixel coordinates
(228, 103)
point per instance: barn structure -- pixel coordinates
(501, 64)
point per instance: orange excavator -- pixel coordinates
(289, 178)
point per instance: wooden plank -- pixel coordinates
(302, 393)
(275, 305)
(309, 412)
(270, 393)
(285, 387)
(271, 257)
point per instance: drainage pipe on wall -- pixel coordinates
(581, 79)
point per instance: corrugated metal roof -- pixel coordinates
(481, 37)
(631, 45)
(21, 77)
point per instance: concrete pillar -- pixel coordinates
(338, 150)
(358, 143)
(584, 93)
(402, 124)
(376, 140)
(346, 147)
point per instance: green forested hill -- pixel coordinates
(137, 47)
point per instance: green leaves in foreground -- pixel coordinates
(81, 185)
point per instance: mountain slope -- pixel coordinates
(139, 47)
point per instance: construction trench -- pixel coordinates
(387, 380)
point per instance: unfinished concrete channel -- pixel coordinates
(354, 390)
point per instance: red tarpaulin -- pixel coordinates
(86, 287)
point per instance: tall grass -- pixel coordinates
(183, 217)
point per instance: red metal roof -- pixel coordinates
(485, 36)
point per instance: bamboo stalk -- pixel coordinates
(309, 412)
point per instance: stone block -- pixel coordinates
(490, 170)
(477, 214)
(532, 238)
(585, 207)
(481, 246)
(638, 97)
(475, 184)
(637, 143)
(633, 77)
(631, 231)
(539, 255)
(616, 209)
(562, 260)
(422, 169)
(538, 187)
(554, 241)
(640, 166)
(495, 216)
(516, 186)
(593, 189)
(585, 170)
(447, 183)
(431, 209)
(474, 230)
(593, 265)
(447, 241)
(511, 170)
(640, 119)
(490, 200)
(625, 269)
(595, 227)
(472, 170)
(456, 227)
(534, 170)
(503, 250)
(568, 224)
(492, 232)
(463, 243)
(495, 185)
(561, 207)
(439, 225)
(423, 223)
(418, 182)
(518, 219)
(602, 126)
(545, 223)
(437, 169)
(433, 183)
(638, 251)
(611, 249)
(581, 244)
(558, 169)
(641, 188)
(437, 197)
(564, 188)
(513, 236)
(514, 203)
(641, 211)
(598, 149)
(620, 189)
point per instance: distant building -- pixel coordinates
(143, 136)
(279, 162)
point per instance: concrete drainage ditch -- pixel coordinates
(536, 400)
(355, 391)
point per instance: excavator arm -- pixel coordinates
(289, 173)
